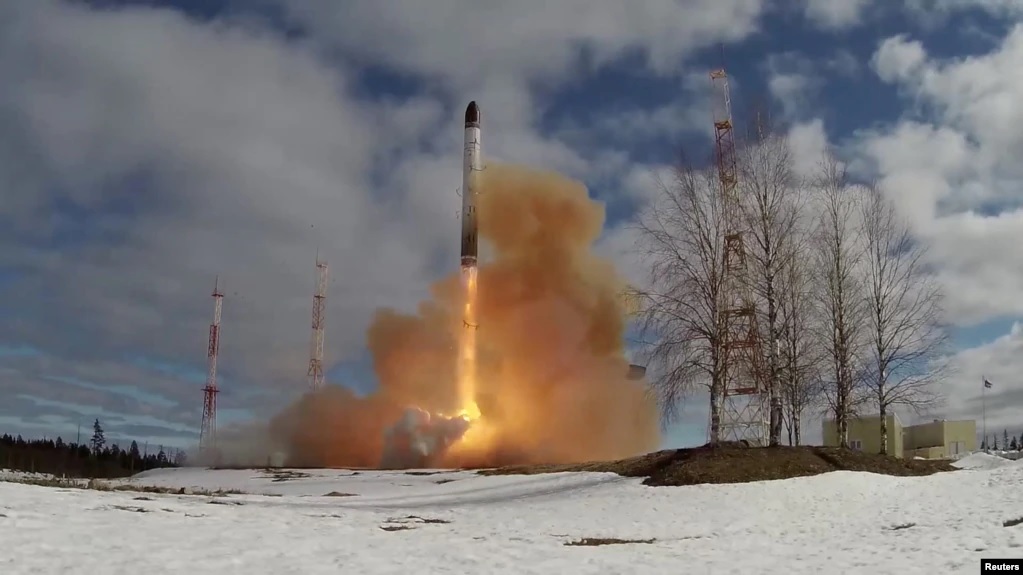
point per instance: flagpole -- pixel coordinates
(983, 410)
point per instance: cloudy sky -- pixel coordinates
(147, 146)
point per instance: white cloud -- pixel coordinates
(836, 13)
(468, 43)
(793, 83)
(898, 56)
(844, 62)
(808, 142)
(953, 166)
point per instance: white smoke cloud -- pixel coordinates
(418, 439)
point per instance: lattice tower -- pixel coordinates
(745, 396)
(315, 371)
(208, 430)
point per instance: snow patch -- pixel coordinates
(983, 461)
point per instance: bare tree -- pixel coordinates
(904, 315)
(770, 194)
(799, 351)
(837, 256)
(681, 239)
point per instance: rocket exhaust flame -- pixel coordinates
(517, 360)
(467, 348)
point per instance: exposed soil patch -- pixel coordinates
(285, 475)
(396, 527)
(736, 463)
(595, 541)
(132, 509)
(417, 519)
(339, 494)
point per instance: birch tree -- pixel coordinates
(770, 195)
(904, 326)
(837, 256)
(681, 240)
(799, 351)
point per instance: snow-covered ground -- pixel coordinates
(458, 522)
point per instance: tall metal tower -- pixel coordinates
(315, 372)
(208, 431)
(744, 408)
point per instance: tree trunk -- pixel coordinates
(883, 412)
(842, 410)
(715, 411)
(776, 419)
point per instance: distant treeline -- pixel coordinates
(1007, 444)
(95, 459)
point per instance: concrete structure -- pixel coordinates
(939, 439)
(865, 434)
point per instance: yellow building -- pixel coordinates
(941, 439)
(865, 434)
(938, 439)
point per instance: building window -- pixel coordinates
(856, 444)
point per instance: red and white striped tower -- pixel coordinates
(745, 395)
(315, 372)
(208, 431)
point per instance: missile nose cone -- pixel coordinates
(472, 113)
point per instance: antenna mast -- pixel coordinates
(208, 431)
(744, 395)
(315, 372)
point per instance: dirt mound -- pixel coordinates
(735, 463)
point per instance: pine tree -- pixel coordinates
(983, 443)
(994, 442)
(1014, 445)
(98, 441)
(1005, 438)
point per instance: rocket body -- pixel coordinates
(472, 164)
(471, 167)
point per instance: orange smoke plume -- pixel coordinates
(551, 374)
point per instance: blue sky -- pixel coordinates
(146, 147)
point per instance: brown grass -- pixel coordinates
(739, 464)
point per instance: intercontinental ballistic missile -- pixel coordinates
(472, 163)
